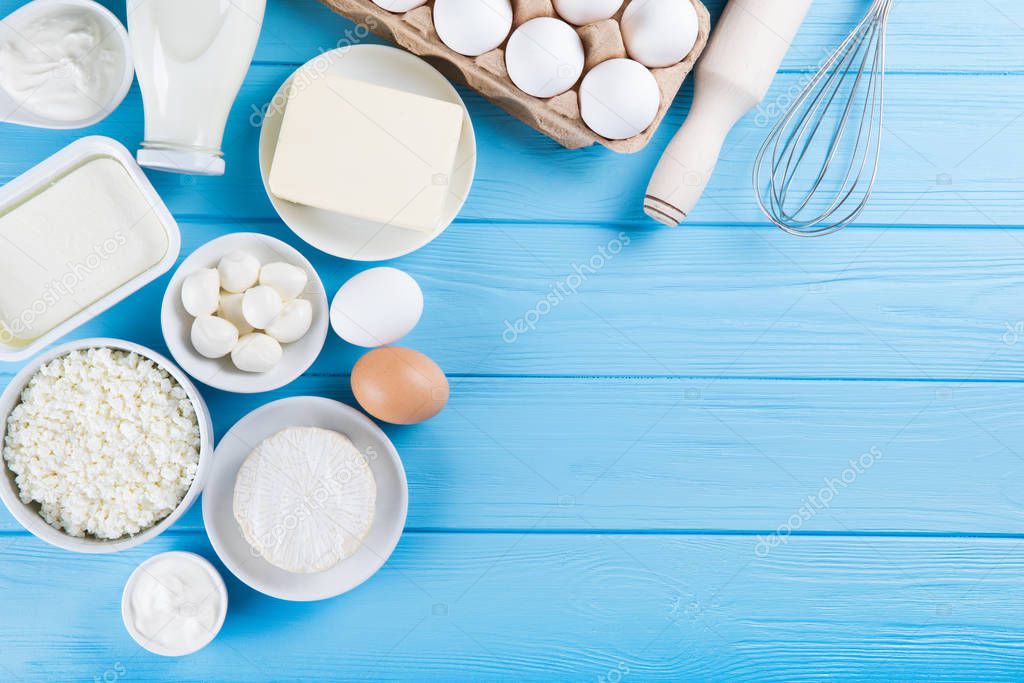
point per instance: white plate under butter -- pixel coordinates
(221, 373)
(348, 237)
(35, 182)
(389, 520)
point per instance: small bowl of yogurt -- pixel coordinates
(174, 604)
(63, 64)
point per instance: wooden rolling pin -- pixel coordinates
(733, 76)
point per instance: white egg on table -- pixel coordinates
(377, 307)
(544, 57)
(257, 352)
(200, 292)
(213, 337)
(619, 98)
(583, 12)
(472, 27)
(399, 5)
(260, 305)
(659, 33)
(292, 323)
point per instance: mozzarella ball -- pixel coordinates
(200, 292)
(399, 5)
(260, 305)
(288, 280)
(231, 310)
(544, 57)
(293, 322)
(659, 33)
(213, 337)
(619, 98)
(256, 353)
(472, 27)
(583, 12)
(238, 271)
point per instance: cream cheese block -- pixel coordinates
(65, 248)
(367, 151)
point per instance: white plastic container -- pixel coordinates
(12, 27)
(191, 57)
(39, 178)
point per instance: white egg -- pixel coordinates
(213, 337)
(377, 307)
(231, 310)
(544, 57)
(238, 271)
(619, 99)
(260, 305)
(659, 33)
(288, 280)
(200, 292)
(472, 27)
(399, 5)
(257, 353)
(583, 12)
(293, 322)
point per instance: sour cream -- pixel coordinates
(174, 604)
(63, 66)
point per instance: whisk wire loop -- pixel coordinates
(853, 78)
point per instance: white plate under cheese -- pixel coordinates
(367, 151)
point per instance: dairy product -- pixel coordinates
(191, 57)
(63, 66)
(105, 441)
(174, 604)
(305, 499)
(69, 245)
(367, 151)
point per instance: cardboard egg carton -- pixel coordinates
(559, 117)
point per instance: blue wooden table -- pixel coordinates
(728, 455)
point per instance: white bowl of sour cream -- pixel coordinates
(63, 64)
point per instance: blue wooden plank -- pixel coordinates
(892, 303)
(696, 455)
(969, 178)
(562, 607)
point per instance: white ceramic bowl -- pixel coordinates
(221, 373)
(28, 514)
(12, 112)
(388, 523)
(354, 238)
(129, 586)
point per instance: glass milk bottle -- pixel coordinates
(191, 57)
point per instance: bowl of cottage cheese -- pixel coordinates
(105, 445)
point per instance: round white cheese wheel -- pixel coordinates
(305, 499)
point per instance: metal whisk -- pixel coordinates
(843, 105)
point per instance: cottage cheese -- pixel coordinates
(105, 441)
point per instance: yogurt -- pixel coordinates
(174, 604)
(63, 66)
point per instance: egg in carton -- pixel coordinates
(411, 25)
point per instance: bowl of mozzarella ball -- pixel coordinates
(105, 445)
(245, 313)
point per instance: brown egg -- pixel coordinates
(399, 385)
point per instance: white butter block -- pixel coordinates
(367, 151)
